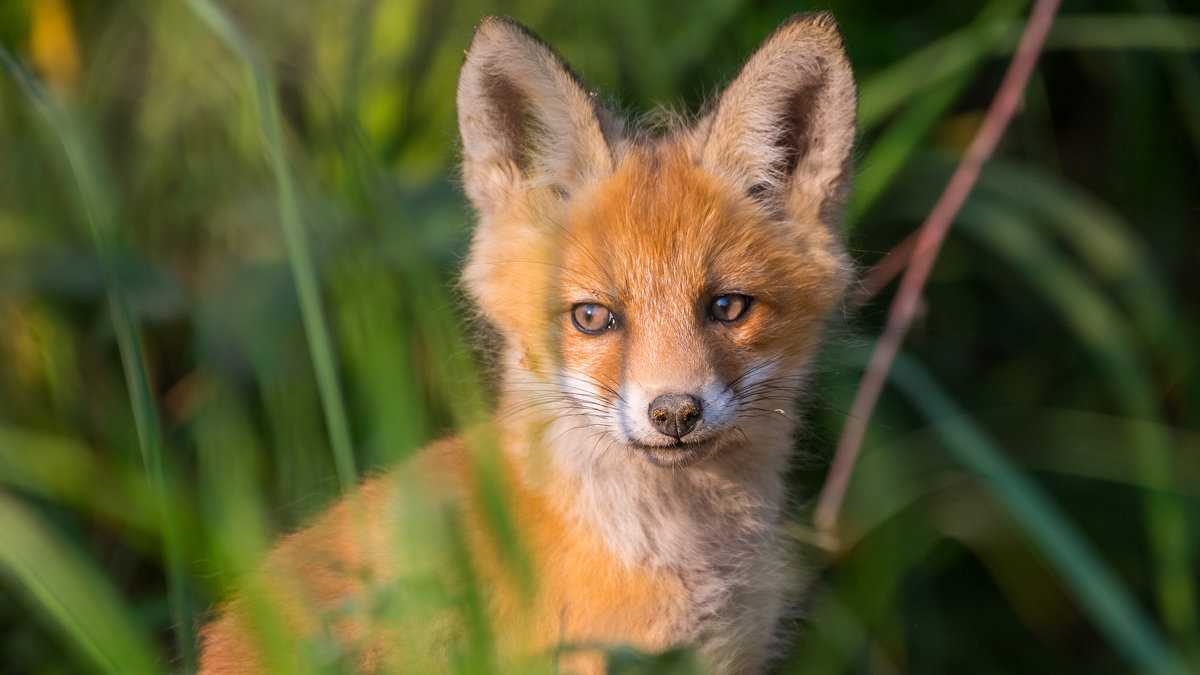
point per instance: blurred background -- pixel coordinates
(228, 241)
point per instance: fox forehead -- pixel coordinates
(662, 230)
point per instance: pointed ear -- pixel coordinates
(525, 119)
(783, 130)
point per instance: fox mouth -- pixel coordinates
(677, 454)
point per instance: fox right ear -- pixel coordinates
(524, 118)
(783, 130)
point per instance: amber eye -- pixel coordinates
(591, 318)
(730, 307)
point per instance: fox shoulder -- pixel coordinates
(328, 580)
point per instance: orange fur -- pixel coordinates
(585, 596)
(632, 531)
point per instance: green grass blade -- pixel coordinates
(996, 29)
(942, 71)
(455, 371)
(888, 90)
(1169, 34)
(930, 80)
(1095, 586)
(66, 471)
(898, 142)
(1165, 32)
(299, 254)
(62, 583)
(101, 221)
(1104, 333)
(1106, 244)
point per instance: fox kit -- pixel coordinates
(658, 299)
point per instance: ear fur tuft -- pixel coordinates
(783, 130)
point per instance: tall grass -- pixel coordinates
(228, 235)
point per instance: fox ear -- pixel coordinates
(525, 119)
(783, 130)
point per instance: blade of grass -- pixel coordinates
(320, 346)
(1103, 333)
(932, 78)
(101, 222)
(899, 141)
(1163, 32)
(457, 371)
(64, 470)
(1009, 200)
(1104, 241)
(889, 89)
(73, 592)
(1183, 70)
(1098, 590)
(947, 58)
(907, 470)
(299, 254)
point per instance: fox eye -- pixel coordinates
(592, 319)
(731, 307)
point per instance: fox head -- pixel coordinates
(664, 293)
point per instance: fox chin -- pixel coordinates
(658, 299)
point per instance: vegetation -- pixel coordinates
(228, 239)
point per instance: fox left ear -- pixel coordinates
(783, 130)
(525, 120)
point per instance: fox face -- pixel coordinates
(662, 294)
(685, 311)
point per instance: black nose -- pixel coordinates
(675, 414)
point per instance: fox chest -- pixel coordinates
(590, 598)
(728, 613)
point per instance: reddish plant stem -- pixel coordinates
(929, 240)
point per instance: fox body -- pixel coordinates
(658, 300)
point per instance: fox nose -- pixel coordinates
(675, 414)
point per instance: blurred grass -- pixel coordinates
(266, 109)
(228, 234)
(1080, 569)
(87, 609)
(94, 196)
